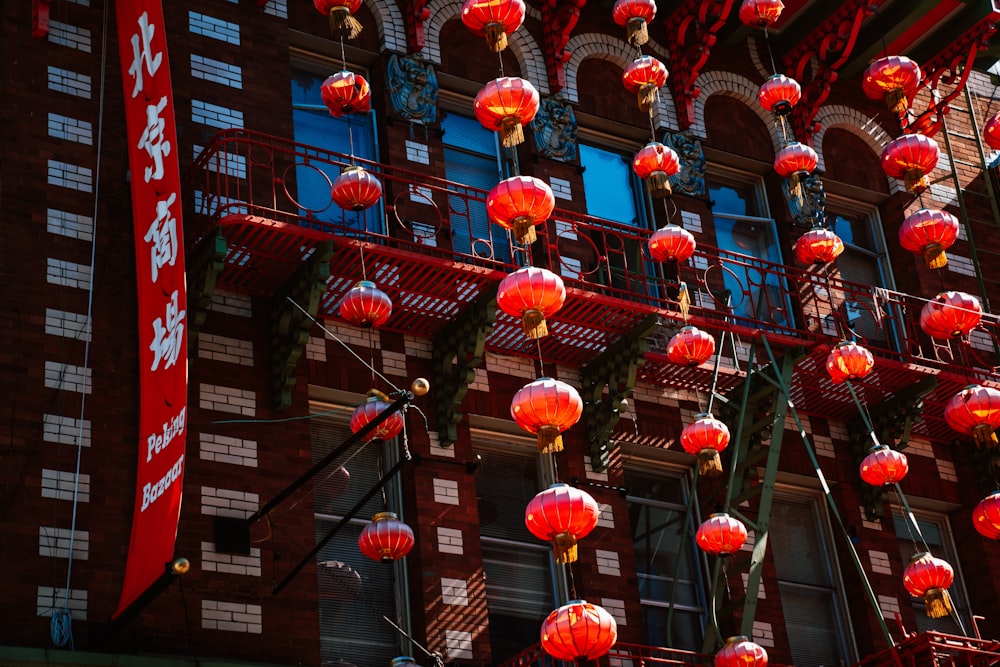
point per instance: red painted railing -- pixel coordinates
(620, 655)
(933, 649)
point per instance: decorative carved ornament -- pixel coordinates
(413, 88)
(554, 128)
(559, 17)
(690, 180)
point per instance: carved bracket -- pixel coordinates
(616, 369)
(695, 26)
(458, 351)
(290, 326)
(40, 18)
(203, 267)
(415, 13)
(558, 21)
(952, 67)
(815, 61)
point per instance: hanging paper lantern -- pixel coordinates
(562, 515)
(519, 203)
(991, 133)
(671, 243)
(404, 661)
(386, 538)
(721, 535)
(986, 516)
(760, 13)
(929, 232)
(365, 305)
(705, 437)
(779, 93)
(849, 361)
(930, 578)
(531, 294)
(493, 19)
(634, 15)
(884, 465)
(818, 246)
(950, 315)
(795, 159)
(893, 79)
(741, 652)
(356, 189)
(374, 405)
(690, 347)
(341, 16)
(655, 164)
(546, 407)
(578, 630)
(346, 92)
(645, 76)
(975, 411)
(910, 158)
(504, 105)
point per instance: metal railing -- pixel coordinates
(934, 648)
(620, 655)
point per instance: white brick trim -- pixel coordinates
(730, 84)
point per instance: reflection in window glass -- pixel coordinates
(860, 263)
(608, 182)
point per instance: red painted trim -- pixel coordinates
(40, 18)
(932, 18)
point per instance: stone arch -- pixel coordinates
(858, 124)
(441, 11)
(735, 86)
(391, 27)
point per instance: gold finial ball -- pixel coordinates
(420, 387)
(180, 566)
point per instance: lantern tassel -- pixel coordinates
(647, 96)
(523, 227)
(795, 186)
(935, 257)
(549, 440)
(938, 603)
(709, 463)
(896, 101)
(659, 184)
(533, 324)
(341, 19)
(636, 31)
(984, 436)
(914, 181)
(511, 133)
(496, 37)
(564, 548)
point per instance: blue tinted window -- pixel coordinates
(608, 185)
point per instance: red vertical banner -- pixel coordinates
(159, 263)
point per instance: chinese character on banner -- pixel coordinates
(162, 237)
(142, 53)
(153, 140)
(168, 335)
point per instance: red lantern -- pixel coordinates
(721, 535)
(986, 516)
(655, 164)
(386, 538)
(910, 158)
(741, 652)
(760, 13)
(893, 79)
(531, 294)
(346, 92)
(340, 13)
(975, 411)
(818, 246)
(950, 315)
(633, 15)
(493, 19)
(671, 243)
(795, 159)
(779, 94)
(929, 577)
(365, 305)
(519, 203)
(645, 76)
(705, 437)
(579, 630)
(849, 361)
(356, 189)
(991, 133)
(690, 347)
(884, 465)
(930, 232)
(546, 407)
(562, 515)
(504, 105)
(374, 405)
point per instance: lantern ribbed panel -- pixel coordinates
(324, 6)
(386, 538)
(929, 232)
(546, 406)
(986, 516)
(818, 246)
(760, 13)
(404, 661)
(892, 79)
(654, 157)
(625, 10)
(644, 71)
(531, 291)
(974, 409)
(926, 572)
(504, 105)
(671, 243)
(950, 315)
(578, 630)
(849, 361)
(795, 158)
(346, 92)
(884, 465)
(909, 155)
(991, 132)
(365, 305)
(560, 512)
(519, 203)
(779, 93)
(368, 411)
(485, 16)
(740, 652)
(690, 347)
(721, 534)
(705, 432)
(355, 189)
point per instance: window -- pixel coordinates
(518, 568)
(315, 126)
(354, 591)
(664, 550)
(808, 582)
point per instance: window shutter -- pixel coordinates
(813, 626)
(857, 267)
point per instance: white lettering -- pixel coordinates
(151, 492)
(152, 140)
(168, 335)
(142, 53)
(157, 442)
(162, 237)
